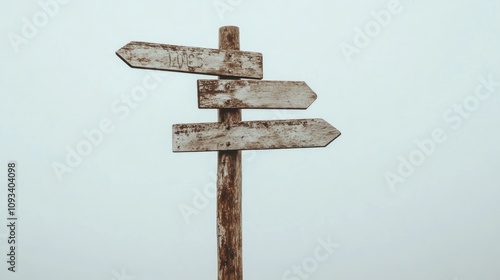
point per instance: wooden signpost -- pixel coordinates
(230, 134)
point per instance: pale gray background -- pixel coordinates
(116, 216)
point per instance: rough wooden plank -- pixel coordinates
(254, 94)
(231, 63)
(229, 186)
(252, 135)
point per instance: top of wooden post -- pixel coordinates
(229, 38)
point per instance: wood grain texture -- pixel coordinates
(229, 185)
(254, 94)
(253, 135)
(226, 62)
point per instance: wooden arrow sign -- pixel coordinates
(244, 94)
(218, 62)
(252, 135)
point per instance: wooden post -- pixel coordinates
(229, 233)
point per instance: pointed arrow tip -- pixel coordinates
(312, 95)
(118, 53)
(332, 132)
(123, 53)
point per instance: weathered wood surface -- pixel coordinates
(254, 94)
(229, 62)
(252, 135)
(229, 189)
